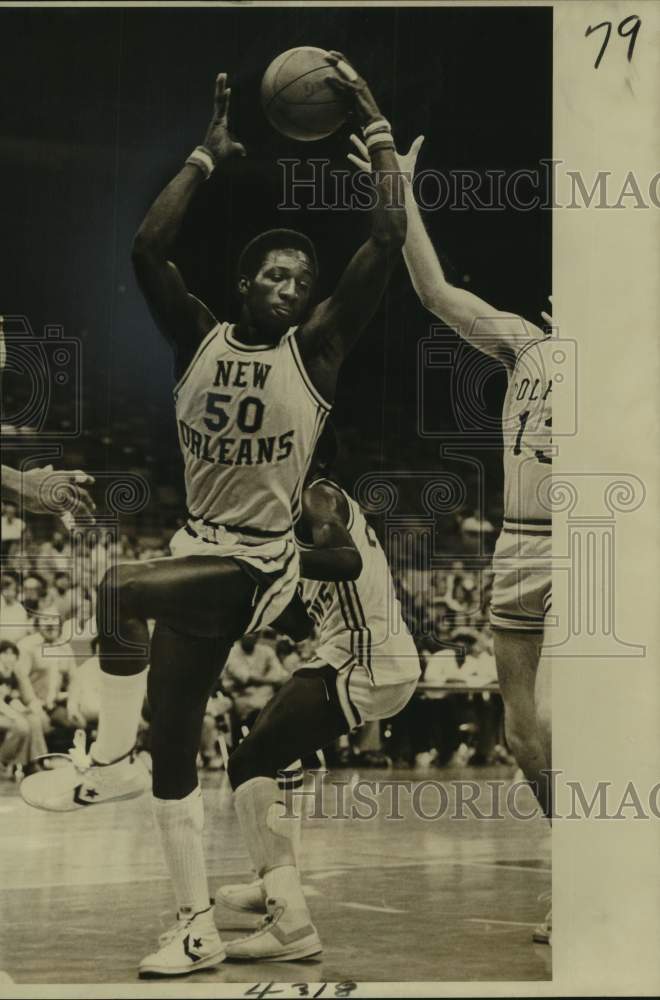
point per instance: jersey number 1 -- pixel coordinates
(517, 448)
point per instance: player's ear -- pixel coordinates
(243, 286)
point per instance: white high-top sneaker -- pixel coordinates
(249, 897)
(192, 944)
(283, 936)
(75, 780)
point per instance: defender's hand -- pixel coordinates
(546, 316)
(352, 88)
(49, 492)
(406, 161)
(217, 140)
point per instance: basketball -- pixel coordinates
(296, 99)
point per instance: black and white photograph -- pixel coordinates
(298, 581)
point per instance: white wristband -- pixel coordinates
(200, 157)
(381, 125)
(379, 139)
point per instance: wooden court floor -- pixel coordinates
(84, 895)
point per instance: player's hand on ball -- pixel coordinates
(406, 161)
(217, 140)
(353, 88)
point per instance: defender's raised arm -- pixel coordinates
(180, 317)
(336, 323)
(500, 334)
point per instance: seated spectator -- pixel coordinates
(61, 597)
(251, 676)
(84, 692)
(33, 593)
(45, 663)
(57, 552)
(12, 525)
(14, 727)
(14, 619)
(216, 720)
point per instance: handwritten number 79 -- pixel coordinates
(628, 28)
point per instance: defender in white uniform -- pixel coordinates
(365, 667)
(361, 632)
(522, 583)
(251, 401)
(521, 590)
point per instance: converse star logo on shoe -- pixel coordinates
(197, 943)
(83, 795)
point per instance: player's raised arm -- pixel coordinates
(181, 318)
(324, 519)
(336, 323)
(498, 333)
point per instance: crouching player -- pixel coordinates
(365, 667)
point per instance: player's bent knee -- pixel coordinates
(246, 762)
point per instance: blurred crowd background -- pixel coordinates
(49, 668)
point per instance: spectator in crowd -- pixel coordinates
(476, 533)
(12, 525)
(43, 671)
(33, 594)
(251, 676)
(61, 597)
(56, 552)
(14, 619)
(14, 727)
(83, 696)
(217, 719)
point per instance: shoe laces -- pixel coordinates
(171, 932)
(272, 914)
(78, 755)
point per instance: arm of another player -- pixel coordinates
(336, 323)
(324, 519)
(181, 318)
(497, 333)
(44, 491)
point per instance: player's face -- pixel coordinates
(278, 296)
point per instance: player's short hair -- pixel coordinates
(254, 254)
(8, 647)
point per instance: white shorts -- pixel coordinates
(274, 564)
(362, 701)
(522, 581)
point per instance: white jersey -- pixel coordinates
(527, 430)
(248, 420)
(360, 621)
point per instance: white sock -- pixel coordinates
(180, 822)
(121, 701)
(267, 833)
(290, 781)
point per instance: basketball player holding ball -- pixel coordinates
(251, 401)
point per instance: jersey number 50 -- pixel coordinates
(249, 418)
